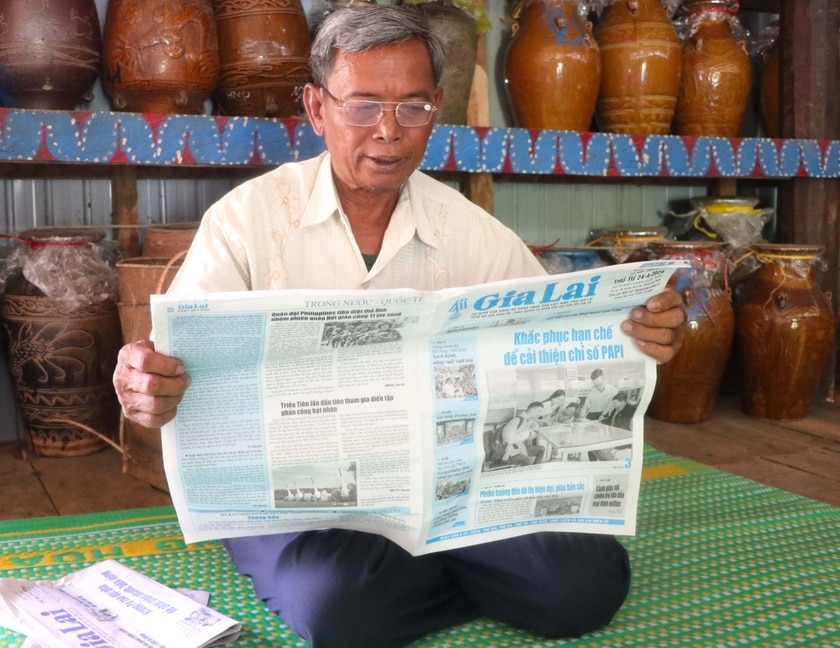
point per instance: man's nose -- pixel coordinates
(388, 128)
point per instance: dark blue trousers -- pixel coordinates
(350, 589)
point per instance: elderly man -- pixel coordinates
(361, 216)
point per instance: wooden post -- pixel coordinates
(124, 207)
(809, 87)
(479, 186)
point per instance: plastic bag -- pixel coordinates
(75, 269)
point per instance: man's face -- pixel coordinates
(618, 405)
(379, 158)
(600, 383)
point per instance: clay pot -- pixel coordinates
(552, 66)
(61, 358)
(165, 241)
(687, 386)
(160, 56)
(460, 37)
(785, 330)
(640, 62)
(49, 53)
(264, 54)
(769, 95)
(716, 73)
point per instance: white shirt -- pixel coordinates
(286, 229)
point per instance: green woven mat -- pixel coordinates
(719, 561)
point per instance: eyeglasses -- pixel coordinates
(361, 112)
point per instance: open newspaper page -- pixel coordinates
(436, 419)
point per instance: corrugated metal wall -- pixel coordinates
(541, 210)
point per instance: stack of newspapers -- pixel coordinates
(109, 604)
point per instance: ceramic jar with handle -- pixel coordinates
(785, 329)
(716, 71)
(640, 61)
(160, 56)
(687, 386)
(552, 66)
(49, 53)
(264, 57)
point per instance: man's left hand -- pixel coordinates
(659, 326)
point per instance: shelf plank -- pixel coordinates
(184, 141)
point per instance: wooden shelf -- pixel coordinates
(114, 139)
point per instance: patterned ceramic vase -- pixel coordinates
(785, 330)
(49, 53)
(160, 56)
(62, 354)
(640, 80)
(264, 53)
(687, 386)
(716, 71)
(552, 66)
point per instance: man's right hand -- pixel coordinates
(149, 384)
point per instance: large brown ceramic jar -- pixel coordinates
(62, 344)
(785, 329)
(160, 56)
(687, 386)
(640, 61)
(552, 66)
(458, 31)
(716, 71)
(49, 53)
(264, 53)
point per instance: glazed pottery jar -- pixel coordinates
(640, 63)
(785, 329)
(160, 56)
(716, 71)
(62, 344)
(552, 66)
(687, 386)
(264, 57)
(458, 31)
(49, 53)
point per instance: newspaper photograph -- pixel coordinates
(436, 419)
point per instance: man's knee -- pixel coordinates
(589, 598)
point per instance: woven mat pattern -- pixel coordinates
(719, 561)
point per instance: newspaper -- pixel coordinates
(406, 413)
(109, 605)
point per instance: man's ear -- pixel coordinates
(313, 102)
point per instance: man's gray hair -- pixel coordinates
(359, 29)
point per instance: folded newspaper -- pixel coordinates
(109, 605)
(436, 419)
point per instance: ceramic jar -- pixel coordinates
(552, 66)
(687, 386)
(785, 330)
(458, 31)
(49, 53)
(640, 62)
(160, 56)
(62, 344)
(716, 74)
(264, 57)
